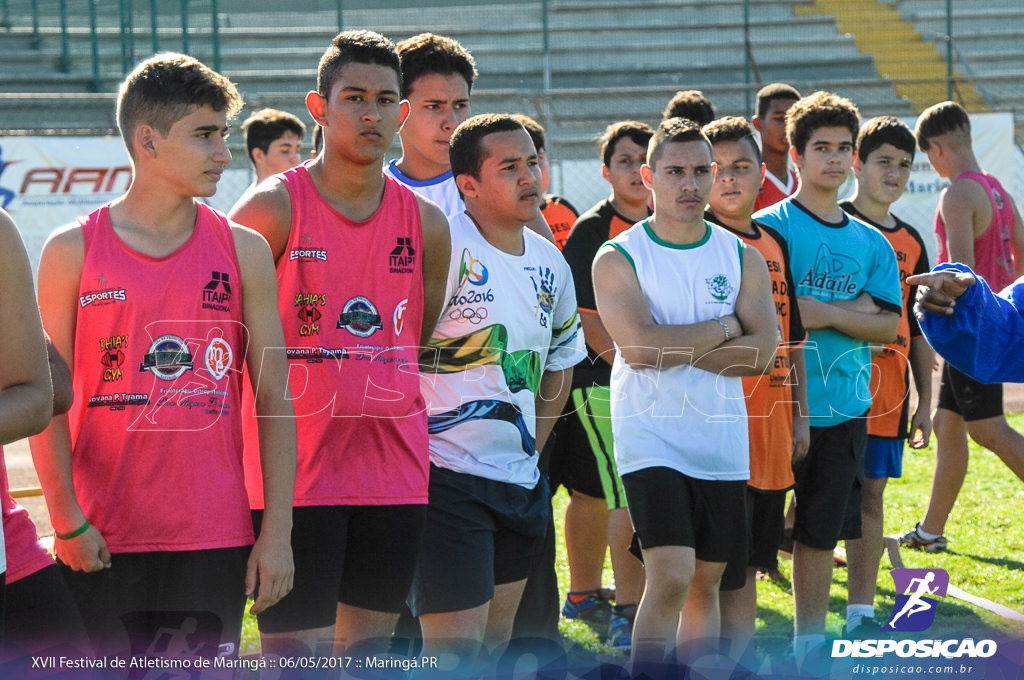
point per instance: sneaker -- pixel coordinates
(866, 629)
(620, 634)
(913, 539)
(593, 611)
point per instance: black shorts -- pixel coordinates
(973, 400)
(478, 533)
(147, 603)
(669, 508)
(359, 555)
(828, 484)
(766, 520)
(40, 613)
(572, 463)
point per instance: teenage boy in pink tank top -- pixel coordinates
(362, 264)
(978, 224)
(155, 300)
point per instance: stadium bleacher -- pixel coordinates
(604, 60)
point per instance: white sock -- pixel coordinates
(856, 612)
(802, 644)
(926, 535)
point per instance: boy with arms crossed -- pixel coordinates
(977, 223)
(501, 358)
(670, 290)
(885, 154)
(584, 461)
(776, 402)
(361, 264)
(155, 300)
(846, 277)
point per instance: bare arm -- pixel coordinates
(597, 335)
(540, 225)
(26, 395)
(627, 316)
(437, 252)
(754, 351)
(60, 376)
(959, 206)
(267, 210)
(920, 359)
(271, 557)
(60, 272)
(801, 411)
(552, 393)
(1018, 240)
(876, 327)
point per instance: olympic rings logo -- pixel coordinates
(468, 315)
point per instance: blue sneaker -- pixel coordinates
(620, 634)
(593, 611)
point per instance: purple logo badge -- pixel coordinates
(914, 610)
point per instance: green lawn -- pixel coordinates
(984, 557)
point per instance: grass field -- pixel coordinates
(985, 535)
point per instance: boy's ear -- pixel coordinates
(315, 104)
(646, 173)
(145, 139)
(404, 109)
(795, 155)
(467, 185)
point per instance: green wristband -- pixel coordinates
(77, 532)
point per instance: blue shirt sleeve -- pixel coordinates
(883, 283)
(984, 338)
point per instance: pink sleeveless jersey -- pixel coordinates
(25, 554)
(993, 255)
(350, 296)
(156, 427)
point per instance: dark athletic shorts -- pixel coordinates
(669, 508)
(148, 603)
(960, 393)
(40, 613)
(479, 533)
(359, 555)
(766, 519)
(828, 484)
(582, 454)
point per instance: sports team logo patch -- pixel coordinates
(398, 317)
(217, 293)
(914, 610)
(218, 358)
(719, 287)
(360, 318)
(168, 358)
(403, 257)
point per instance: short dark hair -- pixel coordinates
(941, 119)
(165, 88)
(266, 126)
(674, 130)
(637, 132)
(355, 47)
(534, 129)
(885, 130)
(429, 53)
(691, 104)
(466, 151)
(732, 129)
(818, 110)
(769, 93)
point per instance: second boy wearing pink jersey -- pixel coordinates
(361, 264)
